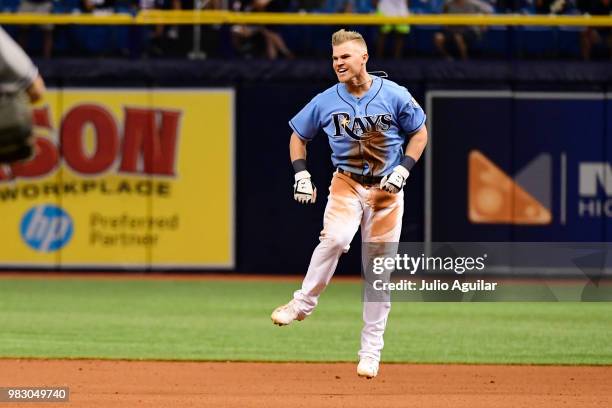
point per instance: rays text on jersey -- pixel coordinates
(356, 127)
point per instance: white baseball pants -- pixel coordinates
(349, 206)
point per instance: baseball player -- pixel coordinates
(20, 85)
(367, 120)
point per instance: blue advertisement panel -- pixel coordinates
(457, 126)
(519, 166)
(567, 129)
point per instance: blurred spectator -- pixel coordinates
(462, 37)
(246, 38)
(275, 44)
(393, 8)
(99, 40)
(337, 6)
(508, 6)
(97, 6)
(38, 7)
(324, 33)
(199, 41)
(308, 5)
(595, 36)
(156, 40)
(551, 6)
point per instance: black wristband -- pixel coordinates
(299, 165)
(408, 162)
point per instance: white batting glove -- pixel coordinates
(395, 181)
(303, 190)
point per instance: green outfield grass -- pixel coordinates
(216, 320)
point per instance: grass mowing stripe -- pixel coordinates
(229, 320)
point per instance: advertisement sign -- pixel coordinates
(125, 178)
(519, 166)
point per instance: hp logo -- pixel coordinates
(46, 228)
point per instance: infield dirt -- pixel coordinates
(108, 384)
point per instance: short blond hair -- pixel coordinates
(342, 36)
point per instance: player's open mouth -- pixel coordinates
(342, 71)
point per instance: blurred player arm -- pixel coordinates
(17, 70)
(19, 78)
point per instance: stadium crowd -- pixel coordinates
(280, 41)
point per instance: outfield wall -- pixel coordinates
(184, 165)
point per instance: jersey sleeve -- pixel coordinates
(307, 122)
(411, 116)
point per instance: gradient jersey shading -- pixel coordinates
(365, 134)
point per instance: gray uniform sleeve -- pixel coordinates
(17, 71)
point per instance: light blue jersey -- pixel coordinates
(365, 134)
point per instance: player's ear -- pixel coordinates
(365, 57)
